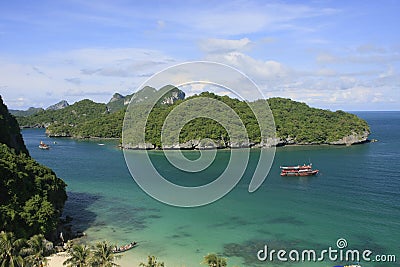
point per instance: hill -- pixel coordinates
(31, 195)
(295, 123)
(118, 101)
(9, 131)
(60, 105)
(24, 113)
(86, 118)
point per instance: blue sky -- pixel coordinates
(329, 54)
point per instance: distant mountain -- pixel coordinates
(146, 94)
(24, 113)
(118, 102)
(60, 105)
(69, 116)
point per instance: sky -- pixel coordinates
(329, 54)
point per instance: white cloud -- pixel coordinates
(240, 17)
(91, 73)
(224, 45)
(256, 69)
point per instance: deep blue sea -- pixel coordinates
(356, 197)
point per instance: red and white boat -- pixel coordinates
(43, 146)
(299, 170)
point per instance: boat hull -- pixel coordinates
(305, 173)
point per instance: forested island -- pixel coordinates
(295, 122)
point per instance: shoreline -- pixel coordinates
(57, 260)
(352, 139)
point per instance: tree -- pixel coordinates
(79, 255)
(10, 250)
(152, 262)
(103, 255)
(36, 251)
(213, 260)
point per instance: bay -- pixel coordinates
(356, 196)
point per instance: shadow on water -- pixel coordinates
(77, 207)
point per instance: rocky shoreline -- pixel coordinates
(270, 142)
(355, 138)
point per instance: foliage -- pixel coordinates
(152, 262)
(35, 253)
(213, 260)
(310, 125)
(10, 250)
(9, 130)
(81, 111)
(103, 255)
(24, 113)
(31, 195)
(100, 255)
(78, 255)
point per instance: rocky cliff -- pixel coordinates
(60, 105)
(9, 130)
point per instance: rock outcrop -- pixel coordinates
(60, 105)
(355, 138)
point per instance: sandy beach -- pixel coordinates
(57, 260)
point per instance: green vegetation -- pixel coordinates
(24, 113)
(100, 255)
(9, 131)
(10, 250)
(21, 252)
(31, 196)
(295, 122)
(213, 260)
(64, 120)
(152, 262)
(299, 122)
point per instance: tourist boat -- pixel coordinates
(43, 146)
(298, 167)
(124, 248)
(299, 170)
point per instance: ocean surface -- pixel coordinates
(356, 197)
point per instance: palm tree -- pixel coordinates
(10, 250)
(103, 255)
(36, 251)
(152, 262)
(78, 256)
(213, 260)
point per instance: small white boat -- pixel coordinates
(43, 146)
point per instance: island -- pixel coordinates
(295, 123)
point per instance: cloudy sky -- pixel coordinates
(329, 54)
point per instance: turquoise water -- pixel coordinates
(356, 196)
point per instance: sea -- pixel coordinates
(352, 204)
